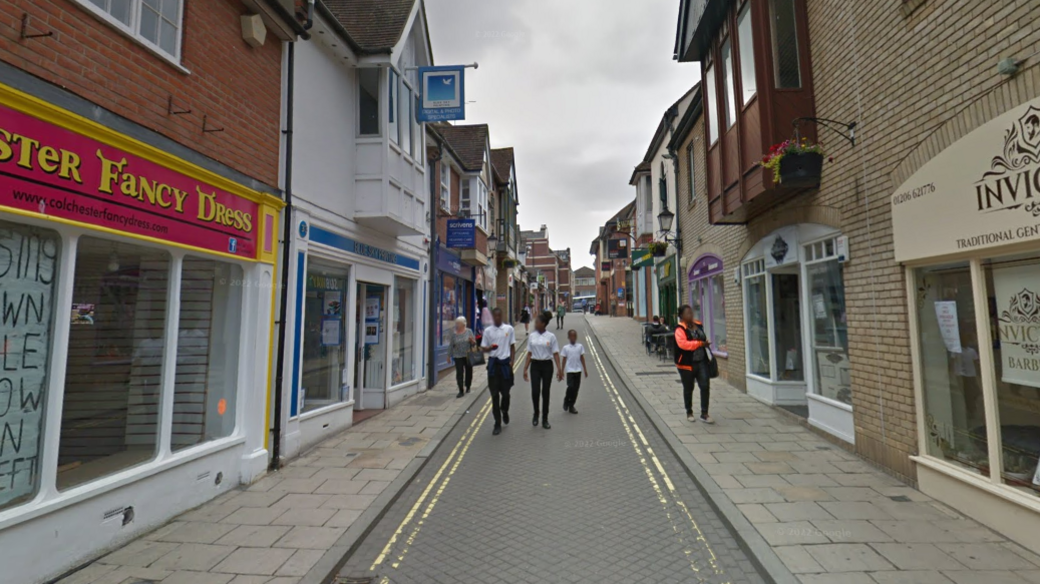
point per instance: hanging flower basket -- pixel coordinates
(658, 249)
(795, 165)
(509, 263)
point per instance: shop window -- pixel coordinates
(954, 413)
(748, 84)
(447, 308)
(113, 380)
(28, 268)
(368, 101)
(324, 337)
(1013, 287)
(709, 307)
(786, 66)
(209, 331)
(787, 315)
(403, 366)
(757, 317)
(830, 338)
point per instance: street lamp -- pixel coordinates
(665, 219)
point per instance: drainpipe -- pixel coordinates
(279, 377)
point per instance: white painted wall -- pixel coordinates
(325, 114)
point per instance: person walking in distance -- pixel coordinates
(561, 311)
(461, 340)
(574, 365)
(499, 342)
(525, 317)
(543, 349)
(691, 358)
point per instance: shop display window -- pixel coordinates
(830, 336)
(29, 259)
(955, 421)
(209, 332)
(324, 337)
(708, 299)
(113, 379)
(757, 317)
(1013, 288)
(403, 364)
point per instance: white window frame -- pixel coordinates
(750, 270)
(133, 29)
(691, 159)
(445, 196)
(466, 197)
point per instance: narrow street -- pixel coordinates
(597, 498)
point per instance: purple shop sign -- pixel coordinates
(706, 265)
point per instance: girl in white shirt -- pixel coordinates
(543, 349)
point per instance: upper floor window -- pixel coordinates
(728, 87)
(465, 199)
(368, 101)
(407, 123)
(445, 187)
(156, 23)
(692, 161)
(748, 84)
(711, 99)
(392, 99)
(785, 45)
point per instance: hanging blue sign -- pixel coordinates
(443, 93)
(462, 233)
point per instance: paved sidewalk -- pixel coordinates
(826, 514)
(293, 526)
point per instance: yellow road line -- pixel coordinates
(631, 427)
(464, 442)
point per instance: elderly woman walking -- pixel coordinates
(461, 340)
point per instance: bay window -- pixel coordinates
(368, 101)
(405, 122)
(393, 91)
(745, 44)
(711, 117)
(728, 88)
(786, 66)
(445, 197)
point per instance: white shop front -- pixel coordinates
(967, 229)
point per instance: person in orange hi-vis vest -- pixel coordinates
(691, 359)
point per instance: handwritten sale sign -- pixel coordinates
(54, 171)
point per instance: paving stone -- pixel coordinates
(343, 474)
(910, 577)
(810, 480)
(755, 481)
(848, 557)
(256, 499)
(296, 501)
(774, 468)
(195, 532)
(132, 575)
(769, 456)
(794, 494)
(756, 513)
(804, 511)
(855, 494)
(728, 482)
(140, 553)
(259, 561)
(369, 474)
(315, 538)
(797, 559)
(349, 501)
(193, 557)
(342, 487)
(187, 577)
(307, 517)
(793, 533)
(254, 535)
(88, 574)
(210, 513)
(300, 563)
(253, 516)
(851, 531)
(985, 556)
(847, 578)
(855, 510)
(343, 518)
(988, 577)
(917, 556)
(375, 487)
(298, 486)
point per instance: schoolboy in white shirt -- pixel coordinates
(573, 354)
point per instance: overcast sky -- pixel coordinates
(577, 87)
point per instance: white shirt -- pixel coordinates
(542, 345)
(503, 336)
(572, 354)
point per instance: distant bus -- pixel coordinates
(590, 301)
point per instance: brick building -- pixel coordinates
(585, 284)
(140, 148)
(543, 266)
(612, 253)
(879, 303)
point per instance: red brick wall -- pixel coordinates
(237, 86)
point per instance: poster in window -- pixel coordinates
(949, 328)
(28, 265)
(371, 333)
(82, 314)
(1018, 313)
(330, 332)
(332, 303)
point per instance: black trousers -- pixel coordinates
(700, 374)
(499, 397)
(463, 373)
(541, 381)
(573, 385)
(559, 321)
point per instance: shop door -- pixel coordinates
(787, 327)
(371, 343)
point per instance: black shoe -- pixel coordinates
(497, 430)
(505, 418)
(460, 394)
(545, 424)
(572, 410)
(566, 406)
(467, 390)
(534, 420)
